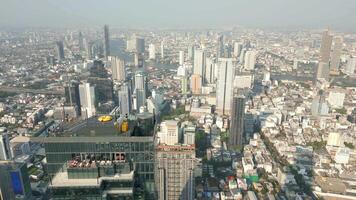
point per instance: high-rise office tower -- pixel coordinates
(220, 46)
(106, 41)
(184, 84)
(80, 41)
(124, 97)
(5, 151)
(87, 100)
(60, 50)
(140, 45)
(209, 76)
(191, 52)
(14, 181)
(325, 48)
(140, 98)
(237, 49)
(181, 57)
(175, 172)
(335, 55)
(242, 56)
(224, 89)
(199, 62)
(140, 90)
(237, 121)
(196, 83)
(250, 60)
(139, 60)
(151, 52)
(71, 93)
(89, 49)
(118, 69)
(162, 50)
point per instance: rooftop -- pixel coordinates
(92, 127)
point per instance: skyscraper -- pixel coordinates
(237, 49)
(162, 50)
(196, 83)
(181, 57)
(151, 52)
(335, 55)
(5, 151)
(237, 121)
(118, 69)
(106, 41)
(124, 97)
(175, 163)
(80, 41)
(71, 93)
(191, 52)
(351, 65)
(325, 48)
(250, 60)
(87, 100)
(225, 85)
(220, 46)
(199, 62)
(184, 85)
(209, 76)
(140, 90)
(140, 45)
(60, 50)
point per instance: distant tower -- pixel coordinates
(220, 47)
(209, 76)
(237, 121)
(181, 57)
(87, 100)
(125, 101)
(325, 48)
(237, 49)
(335, 55)
(199, 62)
(225, 85)
(60, 50)
(106, 41)
(140, 45)
(118, 69)
(151, 52)
(81, 41)
(162, 50)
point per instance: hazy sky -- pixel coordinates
(339, 14)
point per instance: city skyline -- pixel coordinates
(180, 14)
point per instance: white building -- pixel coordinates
(118, 68)
(87, 100)
(181, 57)
(250, 60)
(151, 52)
(351, 65)
(243, 81)
(199, 62)
(336, 98)
(225, 85)
(169, 133)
